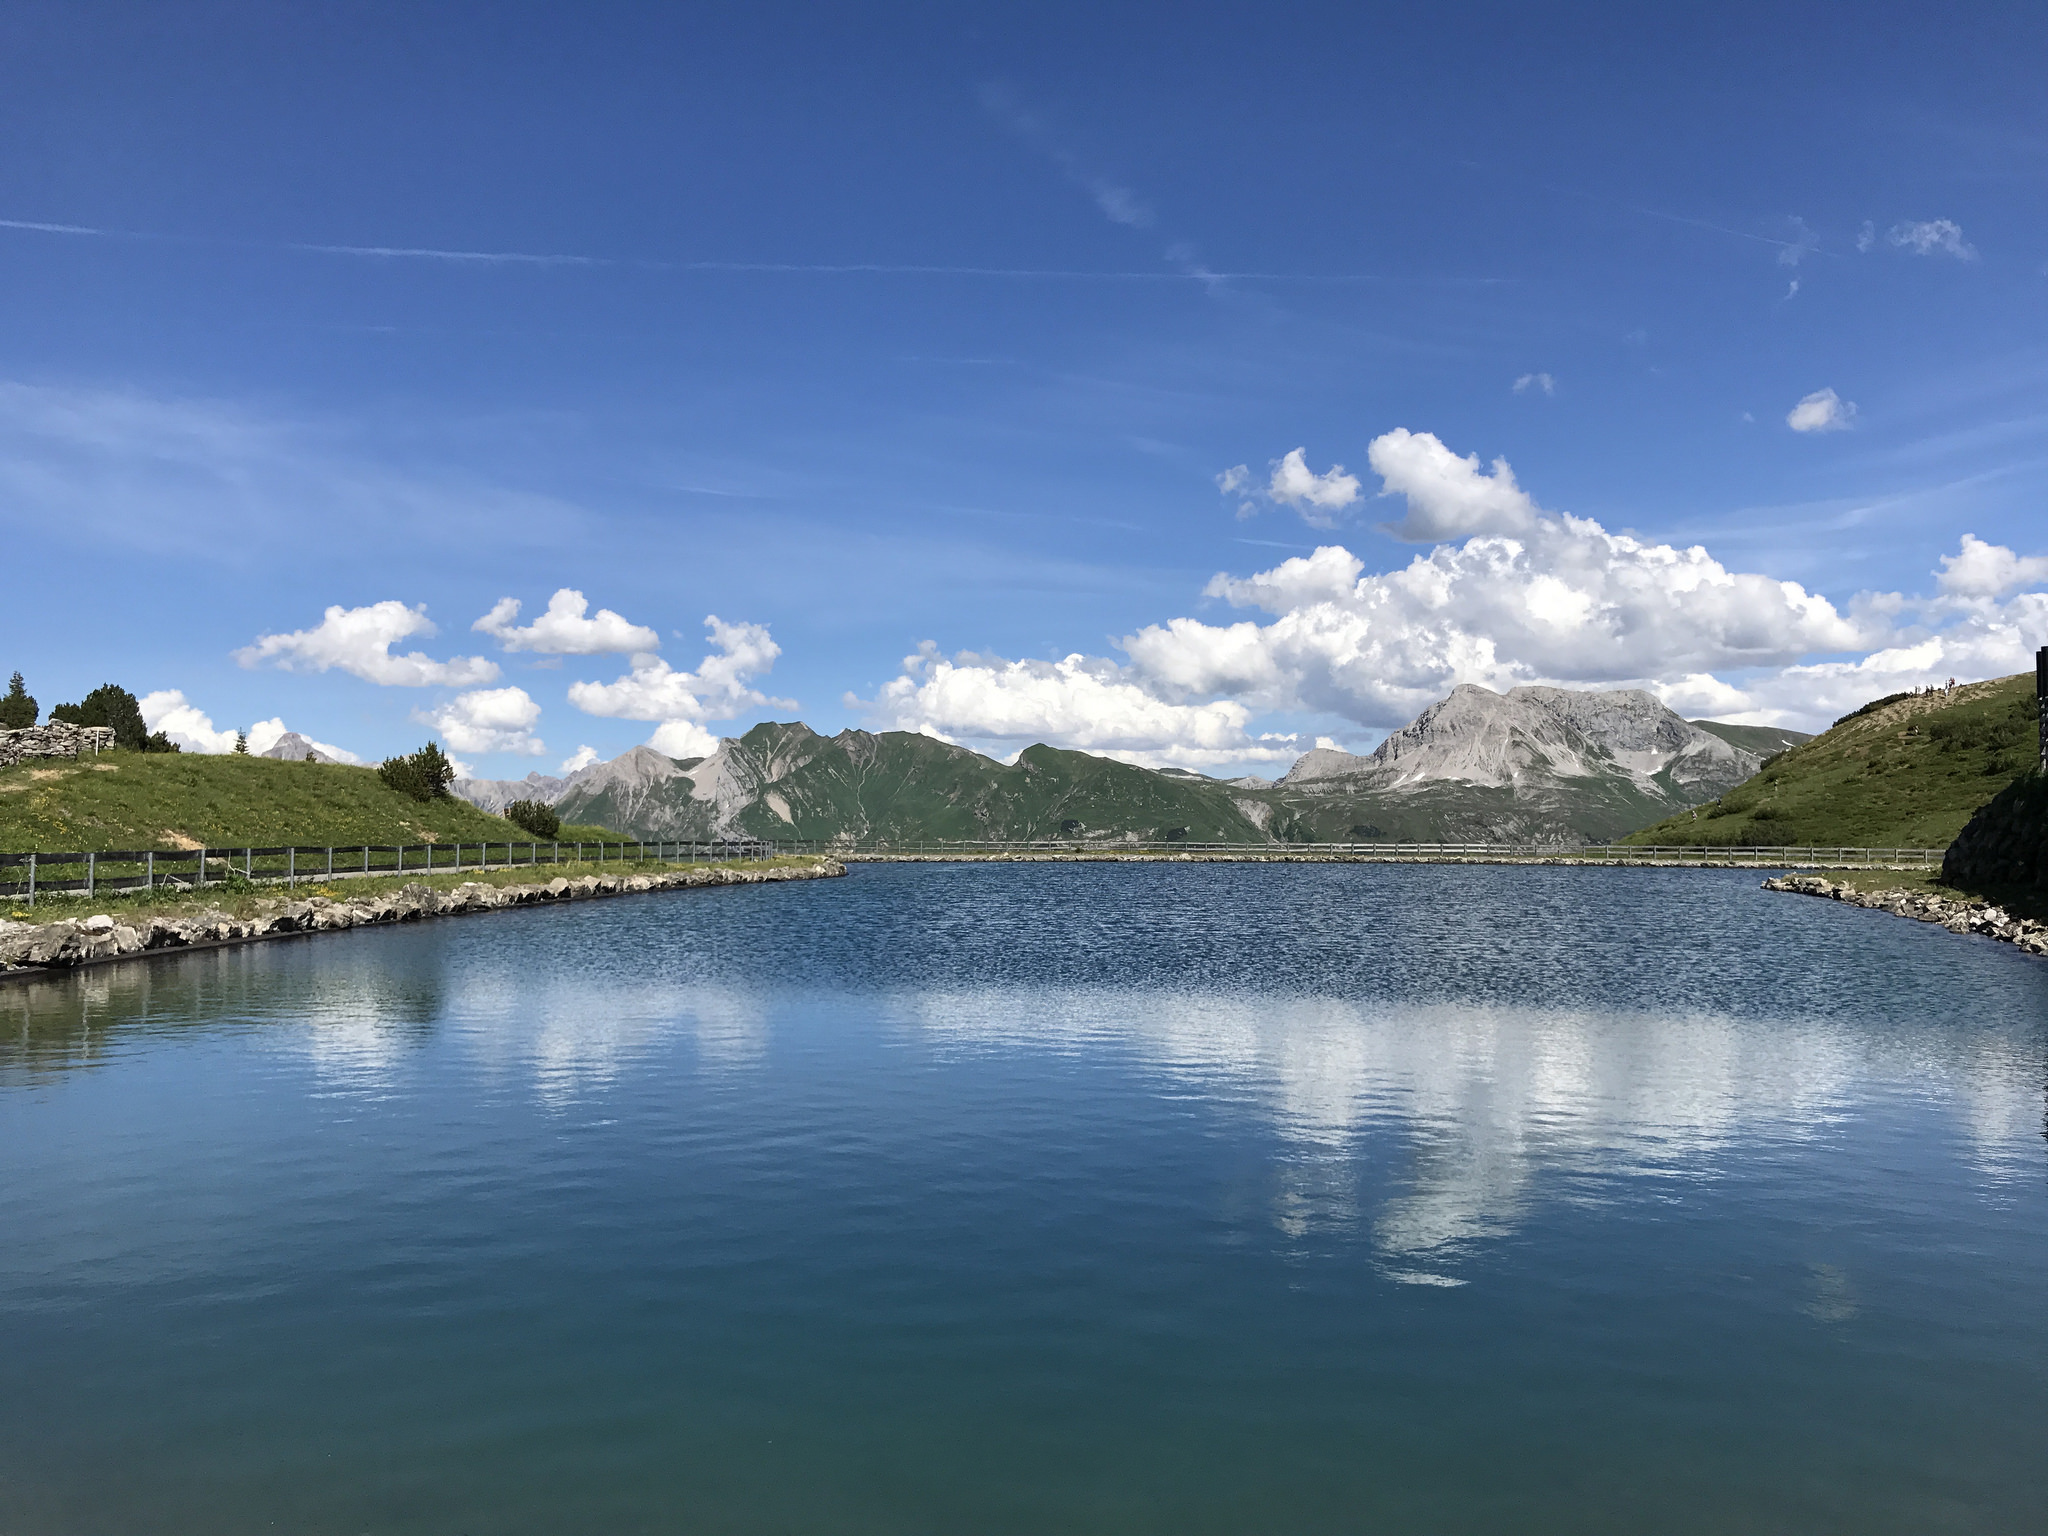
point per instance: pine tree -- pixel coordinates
(425, 774)
(18, 709)
(242, 743)
(114, 707)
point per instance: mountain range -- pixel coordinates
(1536, 765)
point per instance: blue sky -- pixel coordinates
(929, 333)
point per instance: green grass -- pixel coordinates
(1763, 740)
(183, 799)
(1907, 773)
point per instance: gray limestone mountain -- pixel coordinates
(1543, 765)
(494, 795)
(292, 747)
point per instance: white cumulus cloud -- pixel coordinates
(1081, 702)
(169, 711)
(1537, 381)
(487, 720)
(359, 641)
(718, 688)
(1291, 483)
(682, 738)
(1316, 497)
(1448, 497)
(1513, 594)
(1979, 569)
(1822, 411)
(580, 759)
(565, 630)
(1932, 237)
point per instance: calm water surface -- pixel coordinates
(968, 1199)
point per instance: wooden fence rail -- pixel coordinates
(119, 871)
(124, 870)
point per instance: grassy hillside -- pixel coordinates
(1901, 772)
(897, 786)
(900, 785)
(184, 799)
(1763, 740)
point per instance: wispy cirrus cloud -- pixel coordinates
(1117, 202)
(1932, 237)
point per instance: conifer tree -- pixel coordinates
(18, 709)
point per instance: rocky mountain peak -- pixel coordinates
(1534, 734)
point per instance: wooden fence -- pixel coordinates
(123, 870)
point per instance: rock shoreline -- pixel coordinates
(1966, 915)
(1561, 859)
(40, 949)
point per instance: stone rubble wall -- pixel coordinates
(59, 738)
(61, 946)
(1966, 915)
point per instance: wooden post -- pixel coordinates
(291, 868)
(199, 880)
(149, 871)
(2041, 700)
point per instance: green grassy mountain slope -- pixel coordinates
(1905, 772)
(1763, 740)
(783, 780)
(184, 799)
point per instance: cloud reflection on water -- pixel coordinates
(1496, 1108)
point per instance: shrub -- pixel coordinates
(18, 709)
(534, 818)
(424, 775)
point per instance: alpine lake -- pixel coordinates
(966, 1198)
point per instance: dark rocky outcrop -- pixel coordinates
(2005, 846)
